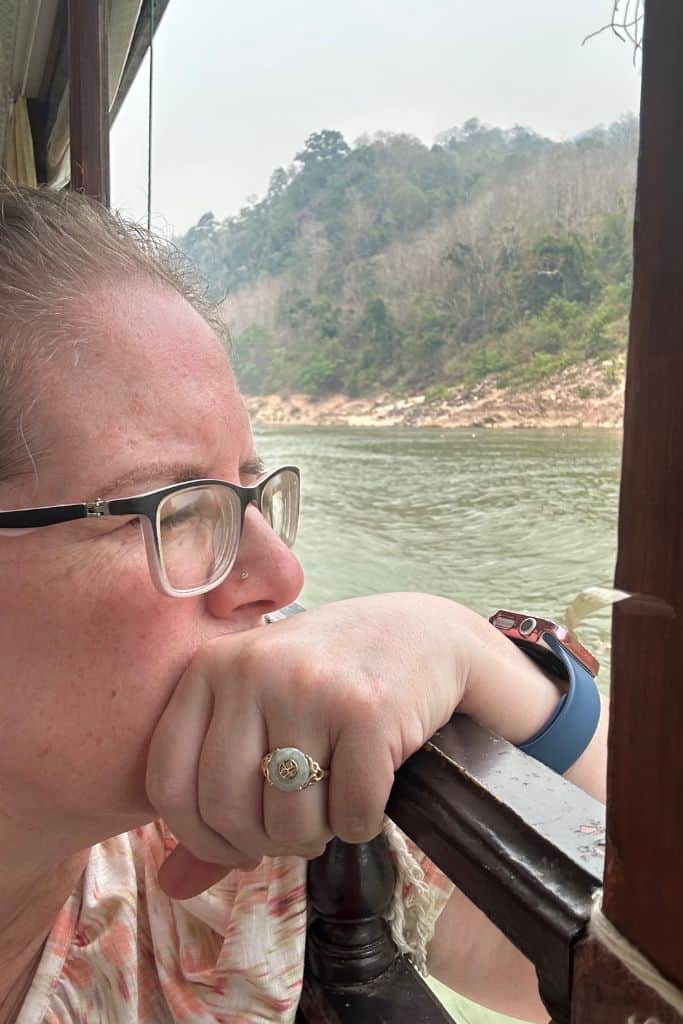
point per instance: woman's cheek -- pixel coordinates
(141, 639)
(93, 654)
(122, 646)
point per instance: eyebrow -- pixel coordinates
(172, 473)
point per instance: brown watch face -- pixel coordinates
(529, 628)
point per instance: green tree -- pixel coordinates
(322, 147)
(279, 180)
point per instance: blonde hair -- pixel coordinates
(54, 246)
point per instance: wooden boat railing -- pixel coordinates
(525, 846)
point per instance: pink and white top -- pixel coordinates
(122, 952)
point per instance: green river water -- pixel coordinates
(521, 519)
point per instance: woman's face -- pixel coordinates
(91, 651)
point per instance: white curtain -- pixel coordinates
(20, 164)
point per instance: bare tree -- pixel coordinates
(626, 23)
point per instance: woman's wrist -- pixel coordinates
(512, 696)
(506, 691)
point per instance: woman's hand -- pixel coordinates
(358, 685)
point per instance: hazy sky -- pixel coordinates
(239, 86)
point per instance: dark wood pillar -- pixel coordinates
(354, 974)
(350, 888)
(89, 98)
(605, 991)
(644, 876)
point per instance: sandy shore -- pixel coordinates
(591, 395)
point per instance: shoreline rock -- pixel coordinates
(590, 395)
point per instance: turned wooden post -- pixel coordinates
(350, 889)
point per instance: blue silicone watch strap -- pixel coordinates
(569, 730)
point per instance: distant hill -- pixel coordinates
(397, 267)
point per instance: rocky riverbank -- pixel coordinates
(590, 395)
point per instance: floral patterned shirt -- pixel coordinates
(122, 952)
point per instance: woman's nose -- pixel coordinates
(266, 572)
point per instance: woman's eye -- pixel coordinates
(177, 518)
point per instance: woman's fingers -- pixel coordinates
(172, 768)
(182, 875)
(361, 777)
(299, 721)
(230, 784)
(204, 778)
(298, 816)
(234, 797)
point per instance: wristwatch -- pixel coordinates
(570, 728)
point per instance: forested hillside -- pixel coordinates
(392, 266)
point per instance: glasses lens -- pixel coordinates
(280, 504)
(199, 532)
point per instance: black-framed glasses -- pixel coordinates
(192, 530)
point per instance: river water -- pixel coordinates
(521, 519)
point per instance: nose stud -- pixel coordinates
(244, 575)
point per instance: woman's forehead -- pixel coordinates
(151, 336)
(152, 381)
